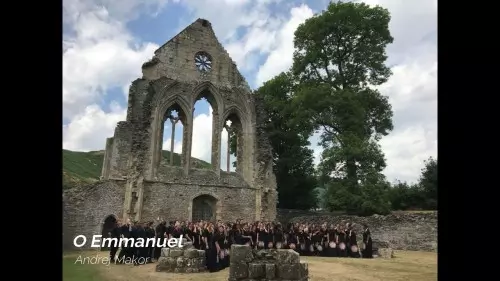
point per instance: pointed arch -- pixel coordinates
(167, 99)
(213, 95)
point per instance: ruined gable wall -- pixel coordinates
(175, 59)
(85, 208)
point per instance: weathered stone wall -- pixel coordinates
(201, 177)
(85, 209)
(249, 264)
(119, 151)
(182, 260)
(286, 215)
(174, 201)
(399, 231)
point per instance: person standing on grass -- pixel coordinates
(367, 252)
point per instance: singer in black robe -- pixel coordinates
(161, 230)
(127, 250)
(291, 238)
(176, 232)
(236, 234)
(278, 237)
(212, 255)
(115, 233)
(141, 252)
(367, 253)
(341, 239)
(332, 237)
(196, 236)
(133, 249)
(246, 237)
(316, 240)
(353, 242)
(205, 234)
(222, 242)
(308, 243)
(150, 233)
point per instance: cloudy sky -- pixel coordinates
(106, 41)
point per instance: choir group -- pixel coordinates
(216, 239)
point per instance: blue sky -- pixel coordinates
(107, 41)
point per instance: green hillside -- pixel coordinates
(81, 168)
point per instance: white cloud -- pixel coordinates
(89, 129)
(281, 58)
(202, 140)
(99, 54)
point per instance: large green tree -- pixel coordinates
(428, 183)
(339, 59)
(293, 160)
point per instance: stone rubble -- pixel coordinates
(186, 259)
(247, 264)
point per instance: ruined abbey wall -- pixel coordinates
(172, 81)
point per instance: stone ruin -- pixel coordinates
(248, 264)
(137, 182)
(186, 259)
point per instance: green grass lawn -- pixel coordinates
(80, 272)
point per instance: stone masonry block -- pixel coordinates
(201, 253)
(191, 253)
(238, 271)
(240, 254)
(270, 271)
(304, 270)
(287, 256)
(289, 271)
(181, 261)
(165, 252)
(256, 270)
(176, 253)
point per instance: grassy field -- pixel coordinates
(409, 266)
(85, 167)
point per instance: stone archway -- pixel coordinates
(204, 208)
(107, 226)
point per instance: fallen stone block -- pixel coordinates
(240, 254)
(165, 252)
(191, 253)
(238, 271)
(176, 253)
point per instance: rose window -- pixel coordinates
(203, 62)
